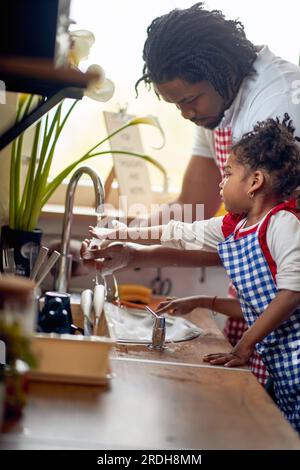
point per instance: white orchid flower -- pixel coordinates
(101, 89)
(81, 43)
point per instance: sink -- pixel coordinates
(134, 325)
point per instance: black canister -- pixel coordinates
(56, 315)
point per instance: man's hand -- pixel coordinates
(110, 258)
(239, 356)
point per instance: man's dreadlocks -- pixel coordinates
(194, 45)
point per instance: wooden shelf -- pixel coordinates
(40, 77)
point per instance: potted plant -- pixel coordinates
(26, 203)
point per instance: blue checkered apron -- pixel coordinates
(250, 274)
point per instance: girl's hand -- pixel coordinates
(239, 356)
(178, 306)
(117, 231)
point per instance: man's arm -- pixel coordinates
(201, 185)
(120, 256)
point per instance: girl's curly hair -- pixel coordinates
(273, 147)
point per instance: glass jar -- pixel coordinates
(17, 304)
(111, 288)
(110, 283)
(18, 313)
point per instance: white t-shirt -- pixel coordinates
(283, 240)
(271, 92)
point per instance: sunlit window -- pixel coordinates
(120, 30)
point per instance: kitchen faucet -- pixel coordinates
(62, 278)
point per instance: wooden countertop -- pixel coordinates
(157, 400)
(184, 352)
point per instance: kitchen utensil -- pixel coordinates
(47, 267)
(99, 297)
(43, 252)
(8, 261)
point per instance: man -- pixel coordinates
(219, 80)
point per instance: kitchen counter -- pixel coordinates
(162, 400)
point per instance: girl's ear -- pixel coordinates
(258, 180)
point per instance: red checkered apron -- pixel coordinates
(234, 329)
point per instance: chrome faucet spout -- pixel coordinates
(61, 281)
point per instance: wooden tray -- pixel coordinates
(73, 358)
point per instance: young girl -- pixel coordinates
(258, 242)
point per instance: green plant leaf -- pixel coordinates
(51, 187)
(40, 181)
(23, 108)
(29, 183)
(31, 173)
(12, 209)
(37, 190)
